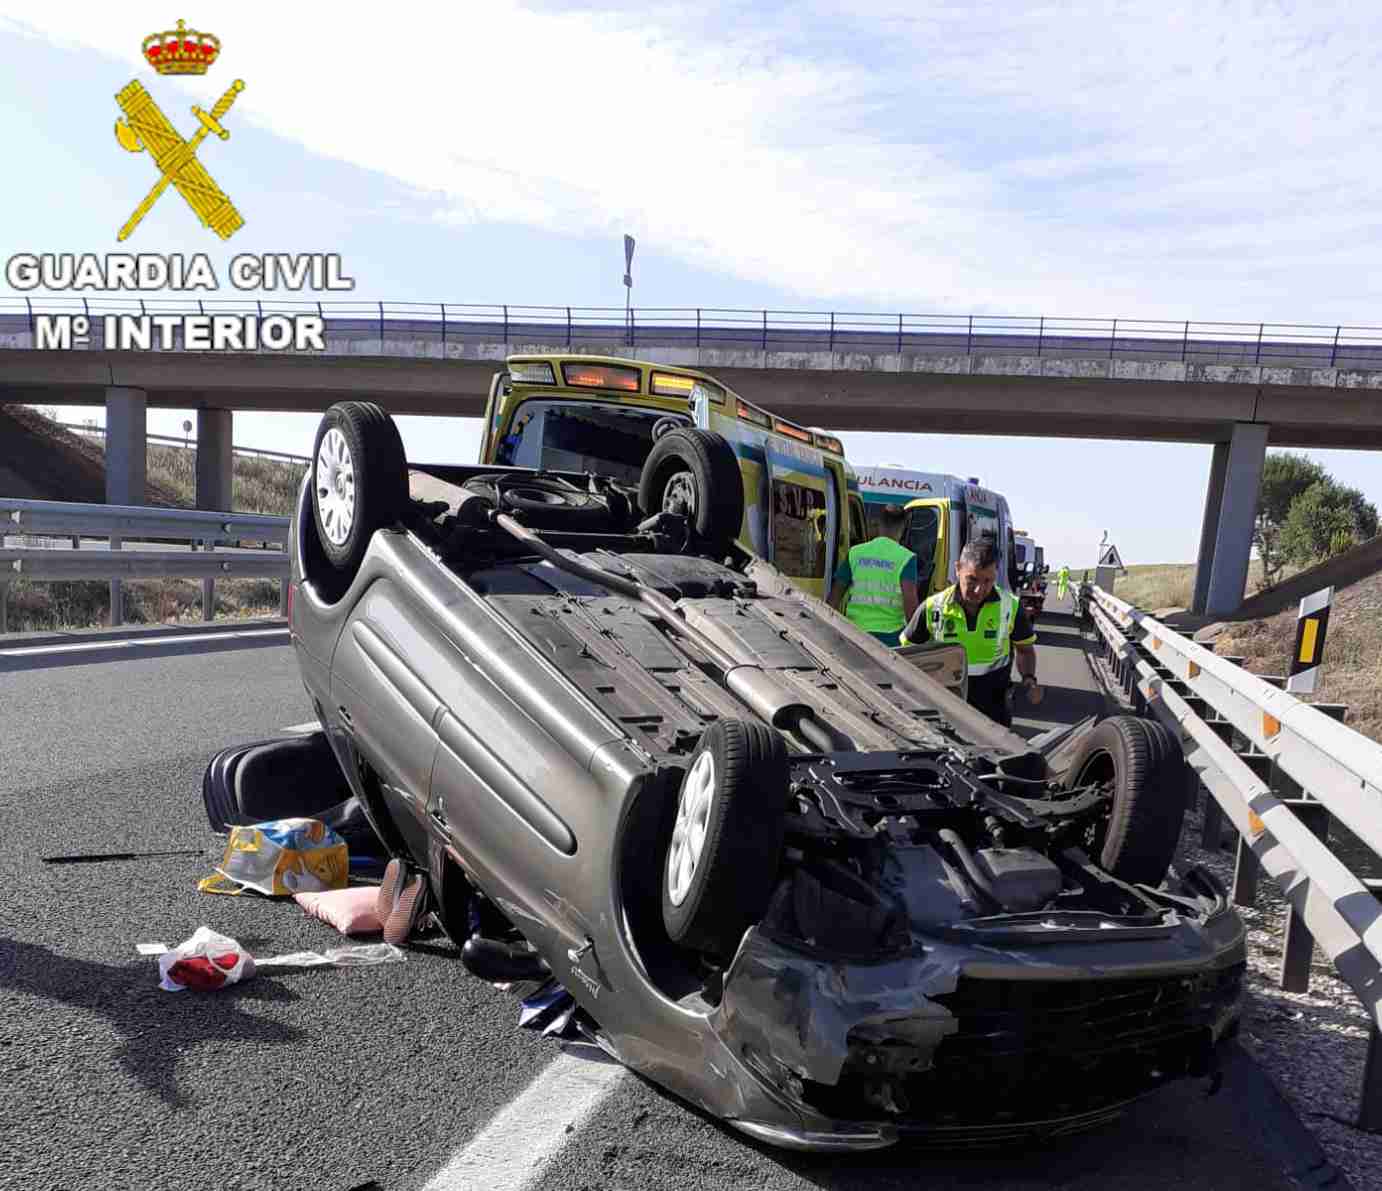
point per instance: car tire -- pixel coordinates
(1137, 758)
(541, 502)
(359, 481)
(695, 469)
(721, 862)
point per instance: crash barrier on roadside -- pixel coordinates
(50, 545)
(1281, 771)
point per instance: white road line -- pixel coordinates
(302, 729)
(24, 651)
(511, 1151)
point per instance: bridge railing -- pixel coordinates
(1282, 772)
(49, 540)
(1189, 340)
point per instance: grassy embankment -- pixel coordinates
(1163, 585)
(259, 486)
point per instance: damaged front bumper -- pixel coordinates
(979, 1041)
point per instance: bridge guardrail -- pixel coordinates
(202, 528)
(1280, 770)
(1195, 341)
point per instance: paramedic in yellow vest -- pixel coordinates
(879, 578)
(990, 623)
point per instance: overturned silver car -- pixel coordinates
(784, 872)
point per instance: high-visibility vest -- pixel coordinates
(875, 592)
(989, 643)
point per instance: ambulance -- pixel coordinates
(944, 512)
(802, 505)
(1031, 567)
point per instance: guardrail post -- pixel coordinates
(209, 588)
(969, 339)
(698, 326)
(1257, 359)
(1370, 1101)
(1041, 333)
(506, 324)
(1298, 948)
(381, 328)
(117, 594)
(568, 326)
(1185, 341)
(899, 334)
(1334, 352)
(1112, 345)
(1247, 869)
(765, 330)
(4, 603)
(443, 330)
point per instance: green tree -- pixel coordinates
(1326, 519)
(1284, 477)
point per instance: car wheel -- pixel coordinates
(722, 859)
(359, 480)
(1141, 765)
(695, 472)
(544, 503)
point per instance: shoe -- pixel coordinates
(400, 902)
(501, 963)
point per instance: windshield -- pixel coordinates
(597, 436)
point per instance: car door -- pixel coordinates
(386, 707)
(928, 536)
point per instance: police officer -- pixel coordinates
(879, 577)
(990, 622)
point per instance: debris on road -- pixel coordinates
(210, 960)
(100, 857)
(353, 911)
(280, 857)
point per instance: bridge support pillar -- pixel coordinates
(1235, 480)
(214, 461)
(126, 446)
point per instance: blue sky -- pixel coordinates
(1184, 160)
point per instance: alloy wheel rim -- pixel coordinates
(681, 489)
(692, 825)
(336, 486)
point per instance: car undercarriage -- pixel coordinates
(781, 870)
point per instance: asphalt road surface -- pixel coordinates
(404, 1077)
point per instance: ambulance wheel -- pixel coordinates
(695, 473)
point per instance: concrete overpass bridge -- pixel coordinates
(1240, 387)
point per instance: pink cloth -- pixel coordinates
(352, 911)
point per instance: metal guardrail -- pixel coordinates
(1280, 770)
(201, 528)
(1190, 340)
(172, 440)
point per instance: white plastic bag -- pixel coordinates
(206, 961)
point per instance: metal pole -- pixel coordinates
(568, 326)
(209, 591)
(1185, 341)
(1041, 333)
(381, 328)
(1334, 353)
(443, 334)
(969, 342)
(1257, 359)
(4, 606)
(698, 326)
(1113, 339)
(899, 334)
(832, 330)
(506, 325)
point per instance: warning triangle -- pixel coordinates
(1111, 558)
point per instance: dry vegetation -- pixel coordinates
(259, 486)
(1352, 669)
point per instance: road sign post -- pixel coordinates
(628, 287)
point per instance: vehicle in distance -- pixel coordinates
(1029, 562)
(784, 873)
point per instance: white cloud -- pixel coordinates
(1209, 159)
